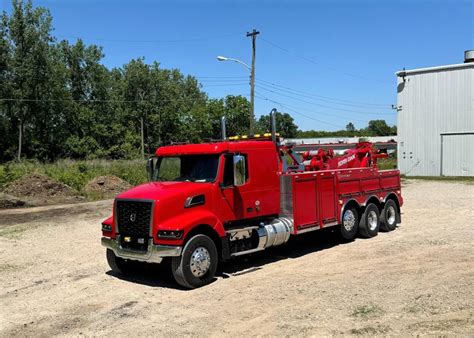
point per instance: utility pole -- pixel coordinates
(142, 127)
(253, 34)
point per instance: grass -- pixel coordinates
(370, 330)
(8, 267)
(366, 311)
(16, 231)
(76, 174)
(387, 163)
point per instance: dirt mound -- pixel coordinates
(38, 189)
(9, 202)
(106, 186)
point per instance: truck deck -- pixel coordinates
(315, 199)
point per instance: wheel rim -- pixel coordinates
(200, 261)
(372, 220)
(349, 220)
(391, 215)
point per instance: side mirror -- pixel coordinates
(240, 172)
(150, 168)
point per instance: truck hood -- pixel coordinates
(165, 190)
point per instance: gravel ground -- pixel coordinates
(418, 279)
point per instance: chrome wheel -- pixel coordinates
(372, 220)
(200, 261)
(349, 220)
(391, 215)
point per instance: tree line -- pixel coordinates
(374, 128)
(58, 100)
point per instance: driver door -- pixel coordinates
(232, 201)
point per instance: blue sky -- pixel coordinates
(324, 62)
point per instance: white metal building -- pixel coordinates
(436, 120)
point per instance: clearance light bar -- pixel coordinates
(247, 137)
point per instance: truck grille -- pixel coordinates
(133, 223)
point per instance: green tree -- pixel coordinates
(5, 92)
(236, 110)
(285, 125)
(30, 40)
(379, 128)
(350, 127)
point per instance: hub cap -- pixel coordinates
(349, 220)
(391, 215)
(372, 220)
(200, 261)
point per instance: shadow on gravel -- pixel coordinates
(159, 275)
(296, 247)
(155, 275)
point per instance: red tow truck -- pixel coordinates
(210, 202)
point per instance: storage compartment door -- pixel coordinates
(327, 199)
(305, 207)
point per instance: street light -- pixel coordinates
(223, 58)
(252, 86)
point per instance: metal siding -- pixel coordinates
(458, 155)
(432, 103)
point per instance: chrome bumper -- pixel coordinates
(154, 254)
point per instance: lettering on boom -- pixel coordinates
(344, 161)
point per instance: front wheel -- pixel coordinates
(197, 264)
(119, 265)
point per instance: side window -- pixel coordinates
(228, 170)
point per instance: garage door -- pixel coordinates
(457, 154)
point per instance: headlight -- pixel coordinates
(106, 227)
(170, 234)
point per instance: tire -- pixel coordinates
(389, 216)
(349, 224)
(370, 221)
(197, 264)
(119, 265)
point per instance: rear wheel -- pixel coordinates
(119, 265)
(197, 264)
(349, 224)
(389, 216)
(370, 221)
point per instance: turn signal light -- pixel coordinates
(170, 234)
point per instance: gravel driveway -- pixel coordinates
(417, 279)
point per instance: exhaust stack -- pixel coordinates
(223, 131)
(273, 124)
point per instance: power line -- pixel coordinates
(320, 113)
(292, 109)
(297, 112)
(195, 39)
(315, 62)
(318, 104)
(330, 99)
(220, 78)
(97, 101)
(225, 84)
(224, 81)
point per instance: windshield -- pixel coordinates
(192, 168)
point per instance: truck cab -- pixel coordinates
(209, 202)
